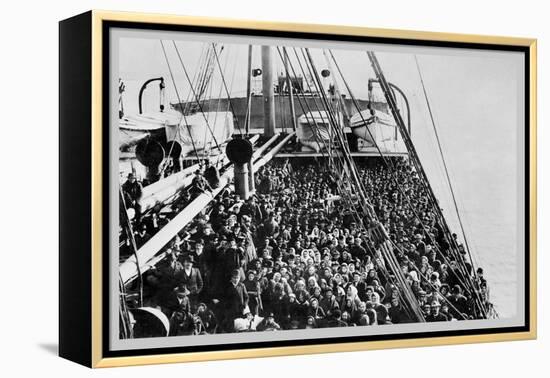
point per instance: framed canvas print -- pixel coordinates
(235, 189)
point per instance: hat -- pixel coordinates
(235, 273)
(189, 258)
(251, 271)
(435, 304)
(182, 289)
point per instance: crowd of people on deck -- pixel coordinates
(294, 256)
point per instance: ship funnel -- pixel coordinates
(239, 152)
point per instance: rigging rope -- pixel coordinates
(195, 95)
(347, 196)
(179, 100)
(388, 163)
(227, 91)
(443, 158)
(424, 179)
(368, 210)
(462, 276)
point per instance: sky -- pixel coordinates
(474, 96)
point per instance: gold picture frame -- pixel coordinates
(88, 32)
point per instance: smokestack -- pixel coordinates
(242, 180)
(239, 152)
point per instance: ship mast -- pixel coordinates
(248, 90)
(290, 93)
(251, 181)
(267, 88)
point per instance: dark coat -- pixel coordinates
(254, 293)
(132, 191)
(212, 175)
(236, 299)
(193, 281)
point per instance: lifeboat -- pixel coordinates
(374, 127)
(314, 129)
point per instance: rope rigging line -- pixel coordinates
(127, 225)
(230, 89)
(208, 72)
(196, 98)
(416, 161)
(368, 211)
(219, 97)
(336, 162)
(316, 126)
(210, 88)
(227, 91)
(367, 207)
(443, 158)
(196, 77)
(461, 275)
(124, 313)
(307, 114)
(389, 164)
(179, 100)
(208, 148)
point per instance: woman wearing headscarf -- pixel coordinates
(381, 310)
(372, 275)
(311, 285)
(359, 316)
(317, 293)
(351, 300)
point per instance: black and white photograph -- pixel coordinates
(268, 189)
